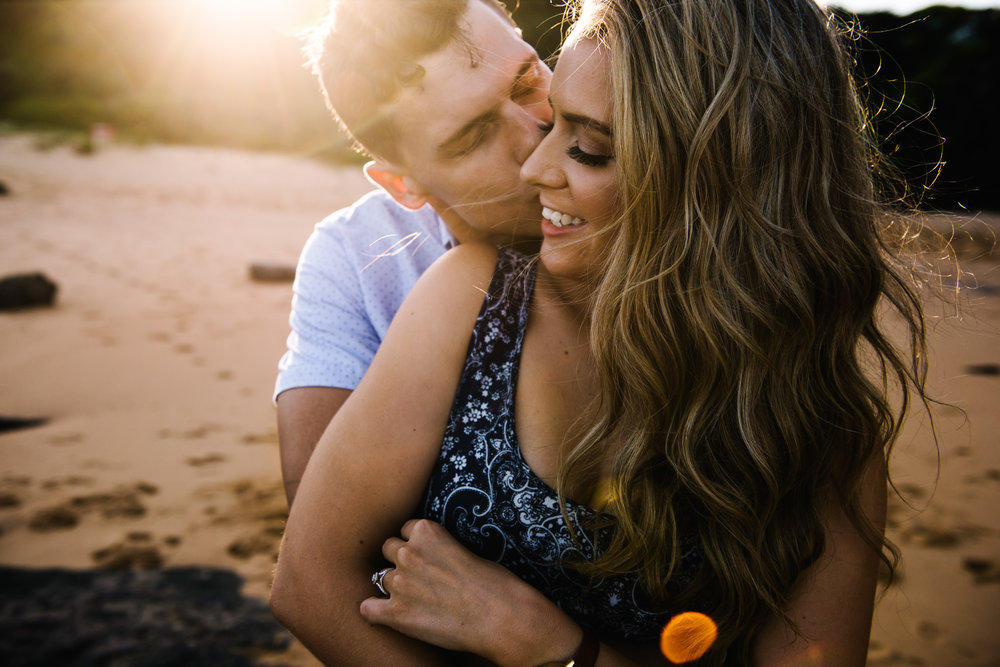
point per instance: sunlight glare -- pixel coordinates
(286, 17)
(687, 637)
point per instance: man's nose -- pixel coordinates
(528, 122)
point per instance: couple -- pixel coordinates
(670, 407)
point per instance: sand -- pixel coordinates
(156, 365)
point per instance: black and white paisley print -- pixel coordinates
(483, 492)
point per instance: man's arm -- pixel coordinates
(368, 472)
(303, 415)
(343, 302)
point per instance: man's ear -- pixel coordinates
(400, 187)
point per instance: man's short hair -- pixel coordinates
(366, 52)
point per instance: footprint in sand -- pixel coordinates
(938, 536)
(122, 502)
(66, 439)
(911, 491)
(928, 631)
(262, 508)
(987, 476)
(49, 519)
(269, 437)
(207, 459)
(248, 546)
(983, 570)
(137, 551)
(72, 480)
(200, 432)
(880, 655)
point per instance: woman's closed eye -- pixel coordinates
(587, 159)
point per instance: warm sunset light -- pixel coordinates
(687, 637)
(283, 16)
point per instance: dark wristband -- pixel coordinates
(585, 654)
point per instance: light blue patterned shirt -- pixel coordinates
(354, 272)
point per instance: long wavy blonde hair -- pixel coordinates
(737, 330)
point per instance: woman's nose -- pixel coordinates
(539, 169)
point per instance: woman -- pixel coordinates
(674, 408)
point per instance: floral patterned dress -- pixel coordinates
(483, 492)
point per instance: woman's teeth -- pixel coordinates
(561, 219)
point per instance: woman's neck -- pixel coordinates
(574, 299)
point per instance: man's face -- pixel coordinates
(466, 130)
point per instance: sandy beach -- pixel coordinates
(156, 364)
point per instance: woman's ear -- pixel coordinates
(400, 187)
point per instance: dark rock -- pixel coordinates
(174, 616)
(15, 423)
(271, 273)
(26, 290)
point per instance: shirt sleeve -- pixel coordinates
(332, 341)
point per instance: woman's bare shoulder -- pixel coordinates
(470, 264)
(453, 288)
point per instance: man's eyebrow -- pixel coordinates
(453, 144)
(526, 67)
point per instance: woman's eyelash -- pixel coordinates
(587, 159)
(546, 127)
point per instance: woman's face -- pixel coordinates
(573, 167)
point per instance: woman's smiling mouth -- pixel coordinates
(561, 219)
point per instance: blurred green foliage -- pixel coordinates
(155, 71)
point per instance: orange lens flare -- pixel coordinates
(687, 637)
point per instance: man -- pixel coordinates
(448, 100)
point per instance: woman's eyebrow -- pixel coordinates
(586, 122)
